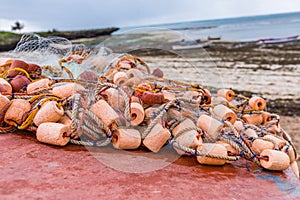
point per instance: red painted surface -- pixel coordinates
(31, 170)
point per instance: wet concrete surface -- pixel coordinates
(31, 170)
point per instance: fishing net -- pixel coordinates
(96, 98)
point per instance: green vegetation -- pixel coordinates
(9, 40)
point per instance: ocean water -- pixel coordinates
(238, 29)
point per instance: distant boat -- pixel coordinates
(213, 38)
(278, 40)
(191, 46)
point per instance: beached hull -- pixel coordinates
(194, 46)
(278, 40)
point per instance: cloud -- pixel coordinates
(78, 14)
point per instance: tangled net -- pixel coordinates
(130, 107)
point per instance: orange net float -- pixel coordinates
(53, 133)
(19, 83)
(137, 114)
(38, 85)
(255, 119)
(120, 78)
(212, 148)
(276, 160)
(105, 112)
(114, 98)
(225, 113)
(146, 92)
(229, 95)
(67, 90)
(16, 113)
(5, 87)
(4, 105)
(259, 145)
(157, 137)
(210, 125)
(185, 134)
(257, 103)
(17, 64)
(126, 138)
(49, 112)
(206, 96)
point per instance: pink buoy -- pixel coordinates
(256, 119)
(19, 83)
(259, 145)
(114, 98)
(4, 104)
(214, 149)
(257, 103)
(210, 125)
(67, 90)
(226, 93)
(37, 85)
(16, 113)
(225, 113)
(53, 133)
(105, 112)
(275, 160)
(137, 114)
(49, 112)
(120, 78)
(5, 86)
(187, 138)
(157, 137)
(126, 139)
(17, 64)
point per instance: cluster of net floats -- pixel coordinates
(130, 106)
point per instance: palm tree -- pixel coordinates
(17, 26)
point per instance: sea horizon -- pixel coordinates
(244, 28)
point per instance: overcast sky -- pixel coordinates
(86, 14)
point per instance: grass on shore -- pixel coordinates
(8, 37)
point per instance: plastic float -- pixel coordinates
(129, 107)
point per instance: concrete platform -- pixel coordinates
(31, 170)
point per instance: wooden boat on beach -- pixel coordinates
(278, 40)
(191, 45)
